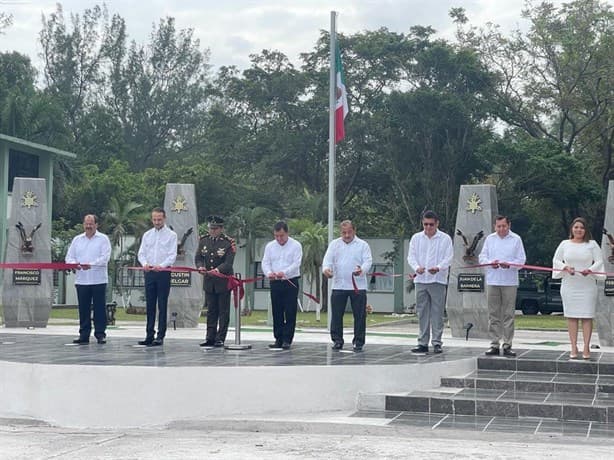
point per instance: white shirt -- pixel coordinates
(507, 249)
(94, 251)
(158, 247)
(432, 252)
(284, 258)
(343, 258)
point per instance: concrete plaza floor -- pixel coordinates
(324, 435)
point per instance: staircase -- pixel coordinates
(538, 384)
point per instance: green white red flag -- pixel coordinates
(341, 105)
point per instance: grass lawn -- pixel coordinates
(548, 322)
(308, 319)
(257, 318)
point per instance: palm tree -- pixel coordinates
(313, 239)
(122, 219)
(248, 224)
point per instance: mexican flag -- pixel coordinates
(341, 105)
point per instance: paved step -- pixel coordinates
(506, 403)
(547, 361)
(539, 384)
(511, 425)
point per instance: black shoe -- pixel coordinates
(275, 345)
(285, 346)
(207, 343)
(507, 351)
(420, 349)
(357, 348)
(81, 341)
(101, 340)
(492, 351)
(146, 342)
(337, 346)
(437, 349)
(218, 344)
(157, 343)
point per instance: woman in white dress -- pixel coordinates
(575, 261)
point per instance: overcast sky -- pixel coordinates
(234, 29)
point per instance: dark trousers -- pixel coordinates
(284, 304)
(218, 310)
(157, 289)
(358, 301)
(88, 295)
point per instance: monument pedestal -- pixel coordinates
(466, 303)
(27, 294)
(604, 320)
(186, 298)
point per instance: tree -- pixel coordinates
(249, 223)
(93, 190)
(25, 111)
(539, 183)
(553, 85)
(158, 92)
(264, 122)
(122, 219)
(5, 21)
(554, 81)
(372, 66)
(314, 242)
(73, 57)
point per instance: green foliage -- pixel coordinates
(542, 188)
(158, 92)
(63, 233)
(314, 242)
(123, 219)
(93, 189)
(5, 21)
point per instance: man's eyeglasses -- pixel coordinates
(428, 224)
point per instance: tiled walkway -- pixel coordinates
(122, 351)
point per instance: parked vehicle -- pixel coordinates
(538, 293)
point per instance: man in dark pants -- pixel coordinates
(158, 252)
(347, 261)
(281, 264)
(214, 256)
(91, 250)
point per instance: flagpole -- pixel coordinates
(331, 141)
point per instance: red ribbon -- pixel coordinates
(533, 267)
(41, 266)
(234, 284)
(312, 297)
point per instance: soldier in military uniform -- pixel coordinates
(215, 254)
